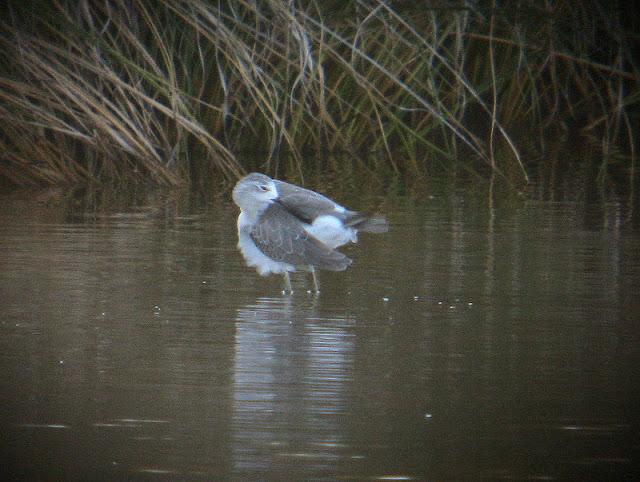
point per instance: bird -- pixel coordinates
(283, 228)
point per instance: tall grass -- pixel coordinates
(179, 91)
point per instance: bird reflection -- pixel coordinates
(292, 366)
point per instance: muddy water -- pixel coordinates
(475, 340)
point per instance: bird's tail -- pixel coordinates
(370, 224)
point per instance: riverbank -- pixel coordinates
(180, 93)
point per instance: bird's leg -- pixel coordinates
(287, 283)
(316, 286)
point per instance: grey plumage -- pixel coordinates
(307, 205)
(282, 237)
(283, 227)
(303, 203)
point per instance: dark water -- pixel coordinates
(476, 340)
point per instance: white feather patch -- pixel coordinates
(331, 231)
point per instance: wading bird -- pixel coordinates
(283, 228)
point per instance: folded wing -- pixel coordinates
(304, 203)
(308, 205)
(282, 237)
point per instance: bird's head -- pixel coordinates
(254, 192)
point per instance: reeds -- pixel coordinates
(188, 90)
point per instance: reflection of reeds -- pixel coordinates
(178, 90)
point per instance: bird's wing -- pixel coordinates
(304, 203)
(307, 205)
(282, 237)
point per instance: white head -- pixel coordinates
(254, 192)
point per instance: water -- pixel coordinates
(477, 340)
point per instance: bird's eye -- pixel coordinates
(263, 188)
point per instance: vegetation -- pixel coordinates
(183, 91)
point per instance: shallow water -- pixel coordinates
(476, 340)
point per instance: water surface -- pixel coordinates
(479, 339)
